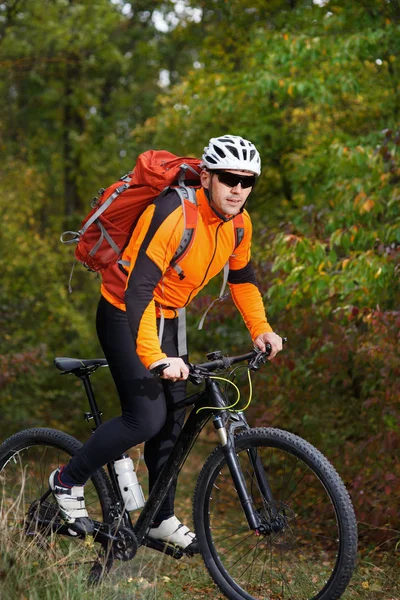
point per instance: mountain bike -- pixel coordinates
(271, 515)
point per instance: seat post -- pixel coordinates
(95, 413)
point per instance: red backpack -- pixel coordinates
(107, 228)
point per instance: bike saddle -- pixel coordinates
(79, 366)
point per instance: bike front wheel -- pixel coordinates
(309, 545)
(30, 527)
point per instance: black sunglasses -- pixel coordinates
(232, 180)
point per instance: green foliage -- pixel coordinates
(343, 250)
(294, 88)
(77, 78)
(38, 318)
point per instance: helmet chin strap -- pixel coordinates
(208, 194)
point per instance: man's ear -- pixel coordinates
(205, 177)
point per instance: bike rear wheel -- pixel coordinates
(310, 550)
(30, 528)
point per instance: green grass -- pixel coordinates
(151, 576)
(29, 573)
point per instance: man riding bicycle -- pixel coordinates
(141, 304)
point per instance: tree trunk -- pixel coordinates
(73, 123)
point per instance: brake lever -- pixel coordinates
(196, 374)
(259, 359)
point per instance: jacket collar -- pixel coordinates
(205, 209)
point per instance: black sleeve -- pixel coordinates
(245, 275)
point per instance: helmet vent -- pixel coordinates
(233, 150)
(220, 152)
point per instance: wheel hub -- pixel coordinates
(274, 521)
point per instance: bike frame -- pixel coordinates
(214, 397)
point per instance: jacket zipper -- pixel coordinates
(208, 268)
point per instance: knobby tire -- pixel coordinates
(312, 550)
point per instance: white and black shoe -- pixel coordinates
(71, 502)
(172, 531)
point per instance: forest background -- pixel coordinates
(86, 86)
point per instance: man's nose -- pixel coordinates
(238, 188)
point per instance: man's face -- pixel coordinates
(227, 196)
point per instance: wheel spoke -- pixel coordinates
(227, 537)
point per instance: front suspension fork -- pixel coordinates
(228, 448)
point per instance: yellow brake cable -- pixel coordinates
(230, 408)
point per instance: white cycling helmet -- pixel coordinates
(231, 152)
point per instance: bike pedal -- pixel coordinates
(192, 549)
(168, 549)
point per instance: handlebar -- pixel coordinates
(201, 371)
(224, 362)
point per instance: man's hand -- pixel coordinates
(269, 338)
(176, 369)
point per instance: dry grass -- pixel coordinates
(34, 568)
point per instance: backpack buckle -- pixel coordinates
(127, 177)
(97, 198)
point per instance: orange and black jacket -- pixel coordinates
(152, 282)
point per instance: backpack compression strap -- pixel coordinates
(190, 216)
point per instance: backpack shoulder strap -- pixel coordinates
(188, 200)
(238, 223)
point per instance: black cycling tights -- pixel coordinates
(144, 402)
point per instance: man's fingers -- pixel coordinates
(258, 343)
(176, 371)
